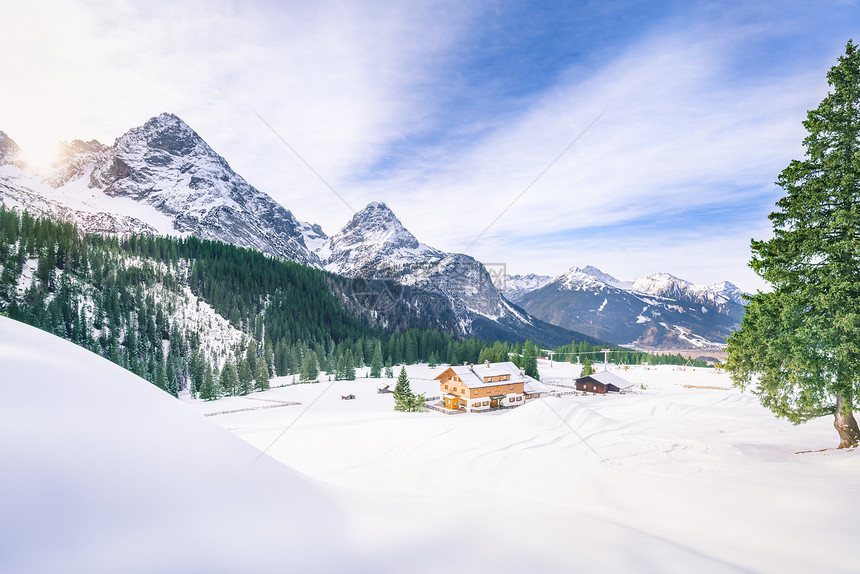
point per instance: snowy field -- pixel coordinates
(103, 472)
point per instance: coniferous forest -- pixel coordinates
(216, 319)
(141, 302)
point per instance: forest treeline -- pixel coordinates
(136, 301)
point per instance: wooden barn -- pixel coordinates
(603, 383)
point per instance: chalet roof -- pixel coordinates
(608, 378)
(473, 375)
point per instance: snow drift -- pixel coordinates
(103, 472)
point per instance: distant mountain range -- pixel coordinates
(162, 178)
(657, 311)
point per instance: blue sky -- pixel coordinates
(447, 111)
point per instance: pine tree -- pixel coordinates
(208, 389)
(172, 377)
(402, 392)
(229, 378)
(529, 360)
(246, 377)
(803, 337)
(160, 377)
(349, 366)
(376, 361)
(587, 368)
(261, 376)
(251, 355)
(197, 371)
(309, 371)
(389, 372)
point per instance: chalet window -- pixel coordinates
(446, 387)
(512, 387)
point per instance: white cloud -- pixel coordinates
(347, 83)
(679, 133)
(338, 80)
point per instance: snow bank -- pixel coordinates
(103, 472)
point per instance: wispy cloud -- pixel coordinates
(447, 110)
(678, 137)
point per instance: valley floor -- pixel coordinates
(685, 475)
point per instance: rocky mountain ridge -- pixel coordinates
(657, 311)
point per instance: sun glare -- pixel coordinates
(40, 158)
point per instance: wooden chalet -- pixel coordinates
(476, 388)
(602, 383)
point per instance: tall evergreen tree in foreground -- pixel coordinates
(803, 338)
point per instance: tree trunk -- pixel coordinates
(845, 423)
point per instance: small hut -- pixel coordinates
(602, 383)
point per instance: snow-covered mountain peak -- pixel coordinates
(162, 177)
(170, 134)
(75, 159)
(588, 277)
(377, 223)
(9, 150)
(518, 285)
(730, 291)
(667, 285)
(374, 239)
(660, 283)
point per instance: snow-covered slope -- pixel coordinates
(687, 475)
(161, 177)
(454, 287)
(24, 189)
(656, 311)
(104, 472)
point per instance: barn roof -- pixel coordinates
(608, 378)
